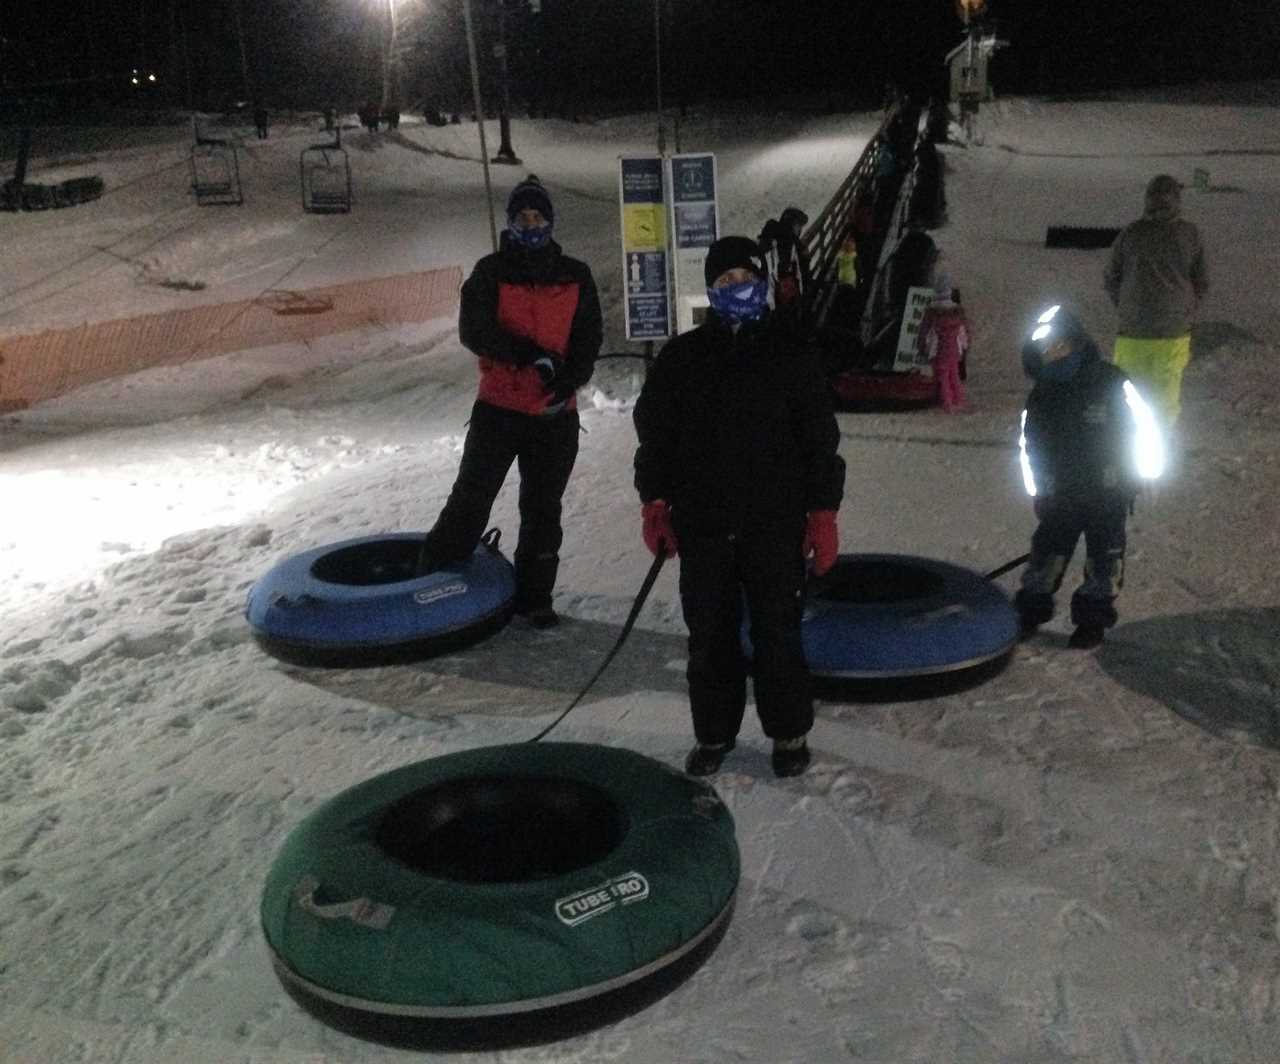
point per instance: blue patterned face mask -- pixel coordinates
(531, 237)
(740, 302)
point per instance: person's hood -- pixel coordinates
(1163, 200)
(793, 216)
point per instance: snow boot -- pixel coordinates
(790, 756)
(1086, 637)
(540, 617)
(706, 758)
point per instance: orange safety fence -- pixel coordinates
(42, 365)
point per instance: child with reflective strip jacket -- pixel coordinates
(1088, 441)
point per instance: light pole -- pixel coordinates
(390, 87)
(475, 92)
(506, 154)
(657, 54)
(244, 58)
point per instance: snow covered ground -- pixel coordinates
(1078, 860)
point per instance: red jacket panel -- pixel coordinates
(518, 306)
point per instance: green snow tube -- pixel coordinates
(506, 895)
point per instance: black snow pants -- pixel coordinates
(544, 449)
(715, 574)
(1101, 520)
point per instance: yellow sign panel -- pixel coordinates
(644, 227)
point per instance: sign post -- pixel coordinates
(646, 288)
(695, 226)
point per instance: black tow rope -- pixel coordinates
(1013, 564)
(650, 578)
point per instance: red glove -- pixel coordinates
(657, 527)
(821, 540)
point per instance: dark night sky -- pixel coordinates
(305, 52)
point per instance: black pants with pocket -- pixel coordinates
(716, 574)
(544, 448)
(1101, 520)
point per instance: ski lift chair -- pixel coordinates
(215, 173)
(325, 172)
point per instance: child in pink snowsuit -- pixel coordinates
(944, 339)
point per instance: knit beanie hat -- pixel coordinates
(530, 193)
(731, 253)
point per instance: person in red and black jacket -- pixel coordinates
(531, 315)
(738, 472)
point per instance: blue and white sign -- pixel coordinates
(695, 225)
(646, 286)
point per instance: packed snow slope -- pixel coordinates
(1074, 861)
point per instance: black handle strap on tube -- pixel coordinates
(1013, 563)
(650, 578)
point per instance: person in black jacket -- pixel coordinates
(1088, 441)
(787, 263)
(531, 314)
(738, 472)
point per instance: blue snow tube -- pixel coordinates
(897, 616)
(359, 603)
(500, 895)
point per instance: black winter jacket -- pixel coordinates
(785, 253)
(1080, 433)
(736, 431)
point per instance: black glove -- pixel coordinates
(548, 368)
(523, 352)
(562, 389)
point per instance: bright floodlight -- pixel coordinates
(1047, 316)
(1041, 332)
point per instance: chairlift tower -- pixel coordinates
(967, 63)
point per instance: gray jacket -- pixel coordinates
(1157, 275)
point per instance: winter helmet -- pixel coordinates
(1054, 323)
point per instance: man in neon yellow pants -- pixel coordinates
(1157, 277)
